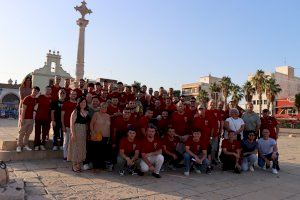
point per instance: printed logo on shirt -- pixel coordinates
(206, 122)
(155, 145)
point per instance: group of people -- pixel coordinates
(135, 131)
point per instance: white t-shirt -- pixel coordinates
(234, 124)
(266, 146)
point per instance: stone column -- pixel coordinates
(82, 23)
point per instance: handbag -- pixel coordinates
(4, 175)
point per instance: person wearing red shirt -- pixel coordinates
(103, 97)
(157, 109)
(55, 88)
(163, 123)
(144, 121)
(203, 122)
(26, 120)
(193, 107)
(231, 153)
(128, 153)
(150, 91)
(154, 98)
(67, 88)
(180, 121)
(121, 96)
(98, 89)
(169, 106)
(214, 115)
(151, 151)
(113, 108)
(196, 150)
(270, 123)
(42, 119)
(66, 111)
(170, 153)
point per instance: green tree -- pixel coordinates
(176, 93)
(258, 81)
(215, 89)
(225, 84)
(237, 93)
(137, 84)
(272, 90)
(249, 91)
(202, 97)
(297, 101)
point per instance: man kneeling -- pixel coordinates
(128, 153)
(151, 149)
(196, 150)
(268, 151)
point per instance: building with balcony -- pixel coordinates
(192, 89)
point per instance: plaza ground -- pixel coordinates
(53, 179)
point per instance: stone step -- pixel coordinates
(10, 145)
(29, 155)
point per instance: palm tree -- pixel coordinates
(237, 93)
(215, 89)
(249, 91)
(203, 96)
(225, 85)
(272, 90)
(258, 82)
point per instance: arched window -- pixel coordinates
(53, 67)
(10, 99)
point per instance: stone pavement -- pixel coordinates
(53, 179)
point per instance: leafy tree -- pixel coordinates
(214, 90)
(225, 84)
(203, 96)
(237, 93)
(176, 93)
(258, 81)
(249, 91)
(137, 84)
(272, 90)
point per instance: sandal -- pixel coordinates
(76, 170)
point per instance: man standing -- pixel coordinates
(42, 119)
(55, 88)
(151, 150)
(252, 121)
(270, 123)
(66, 111)
(26, 119)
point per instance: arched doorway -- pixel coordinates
(10, 99)
(9, 105)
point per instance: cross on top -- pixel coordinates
(83, 9)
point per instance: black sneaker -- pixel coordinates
(208, 170)
(237, 170)
(156, 175)
(277, 167)
(140, 173)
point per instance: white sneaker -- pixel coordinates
(55, 148)
(36, 148)
(251, 168)
(42, 147)
(27, 148)
(61, 148)
(19, 149)
(86, 167)
(186, 173)
(197, 171)
(274, 171)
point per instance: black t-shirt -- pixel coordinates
(56, 106)
(248, 147)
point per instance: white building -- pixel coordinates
(44, 76)
(289, 83)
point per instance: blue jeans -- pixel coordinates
(187, 162)
(261, 161)
(248, 161)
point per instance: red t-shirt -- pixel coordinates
(171, 108)
(54, 92)
(231, 147)
(129, 147)
(163, 124)
(214, 116)
(68, 107)
(30, 102)
(121, 126)
(195, 147)
(112, 110)
(68, 91)
(78, 92)
(148, 147)
(269, 123)
(44, 108)
(180, 123)
(204, 124)
(144, 122)
(170, 144)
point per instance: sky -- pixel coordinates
(156, 42)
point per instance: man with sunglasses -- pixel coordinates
(249, 151)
